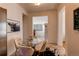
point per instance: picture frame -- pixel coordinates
(76, 19)
(13, 25)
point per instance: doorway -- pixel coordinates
(39, 28)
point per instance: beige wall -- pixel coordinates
(25, 29)
(14, 12)
(52, 24)
(72, 36)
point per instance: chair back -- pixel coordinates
(25, 51)
(18, 43)
(41, 46)
(11, 48)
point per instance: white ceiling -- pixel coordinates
(30, 7)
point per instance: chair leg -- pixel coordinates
(16, 53)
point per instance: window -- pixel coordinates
(38, 27)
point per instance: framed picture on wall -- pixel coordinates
(13, 25)
(76, 19)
